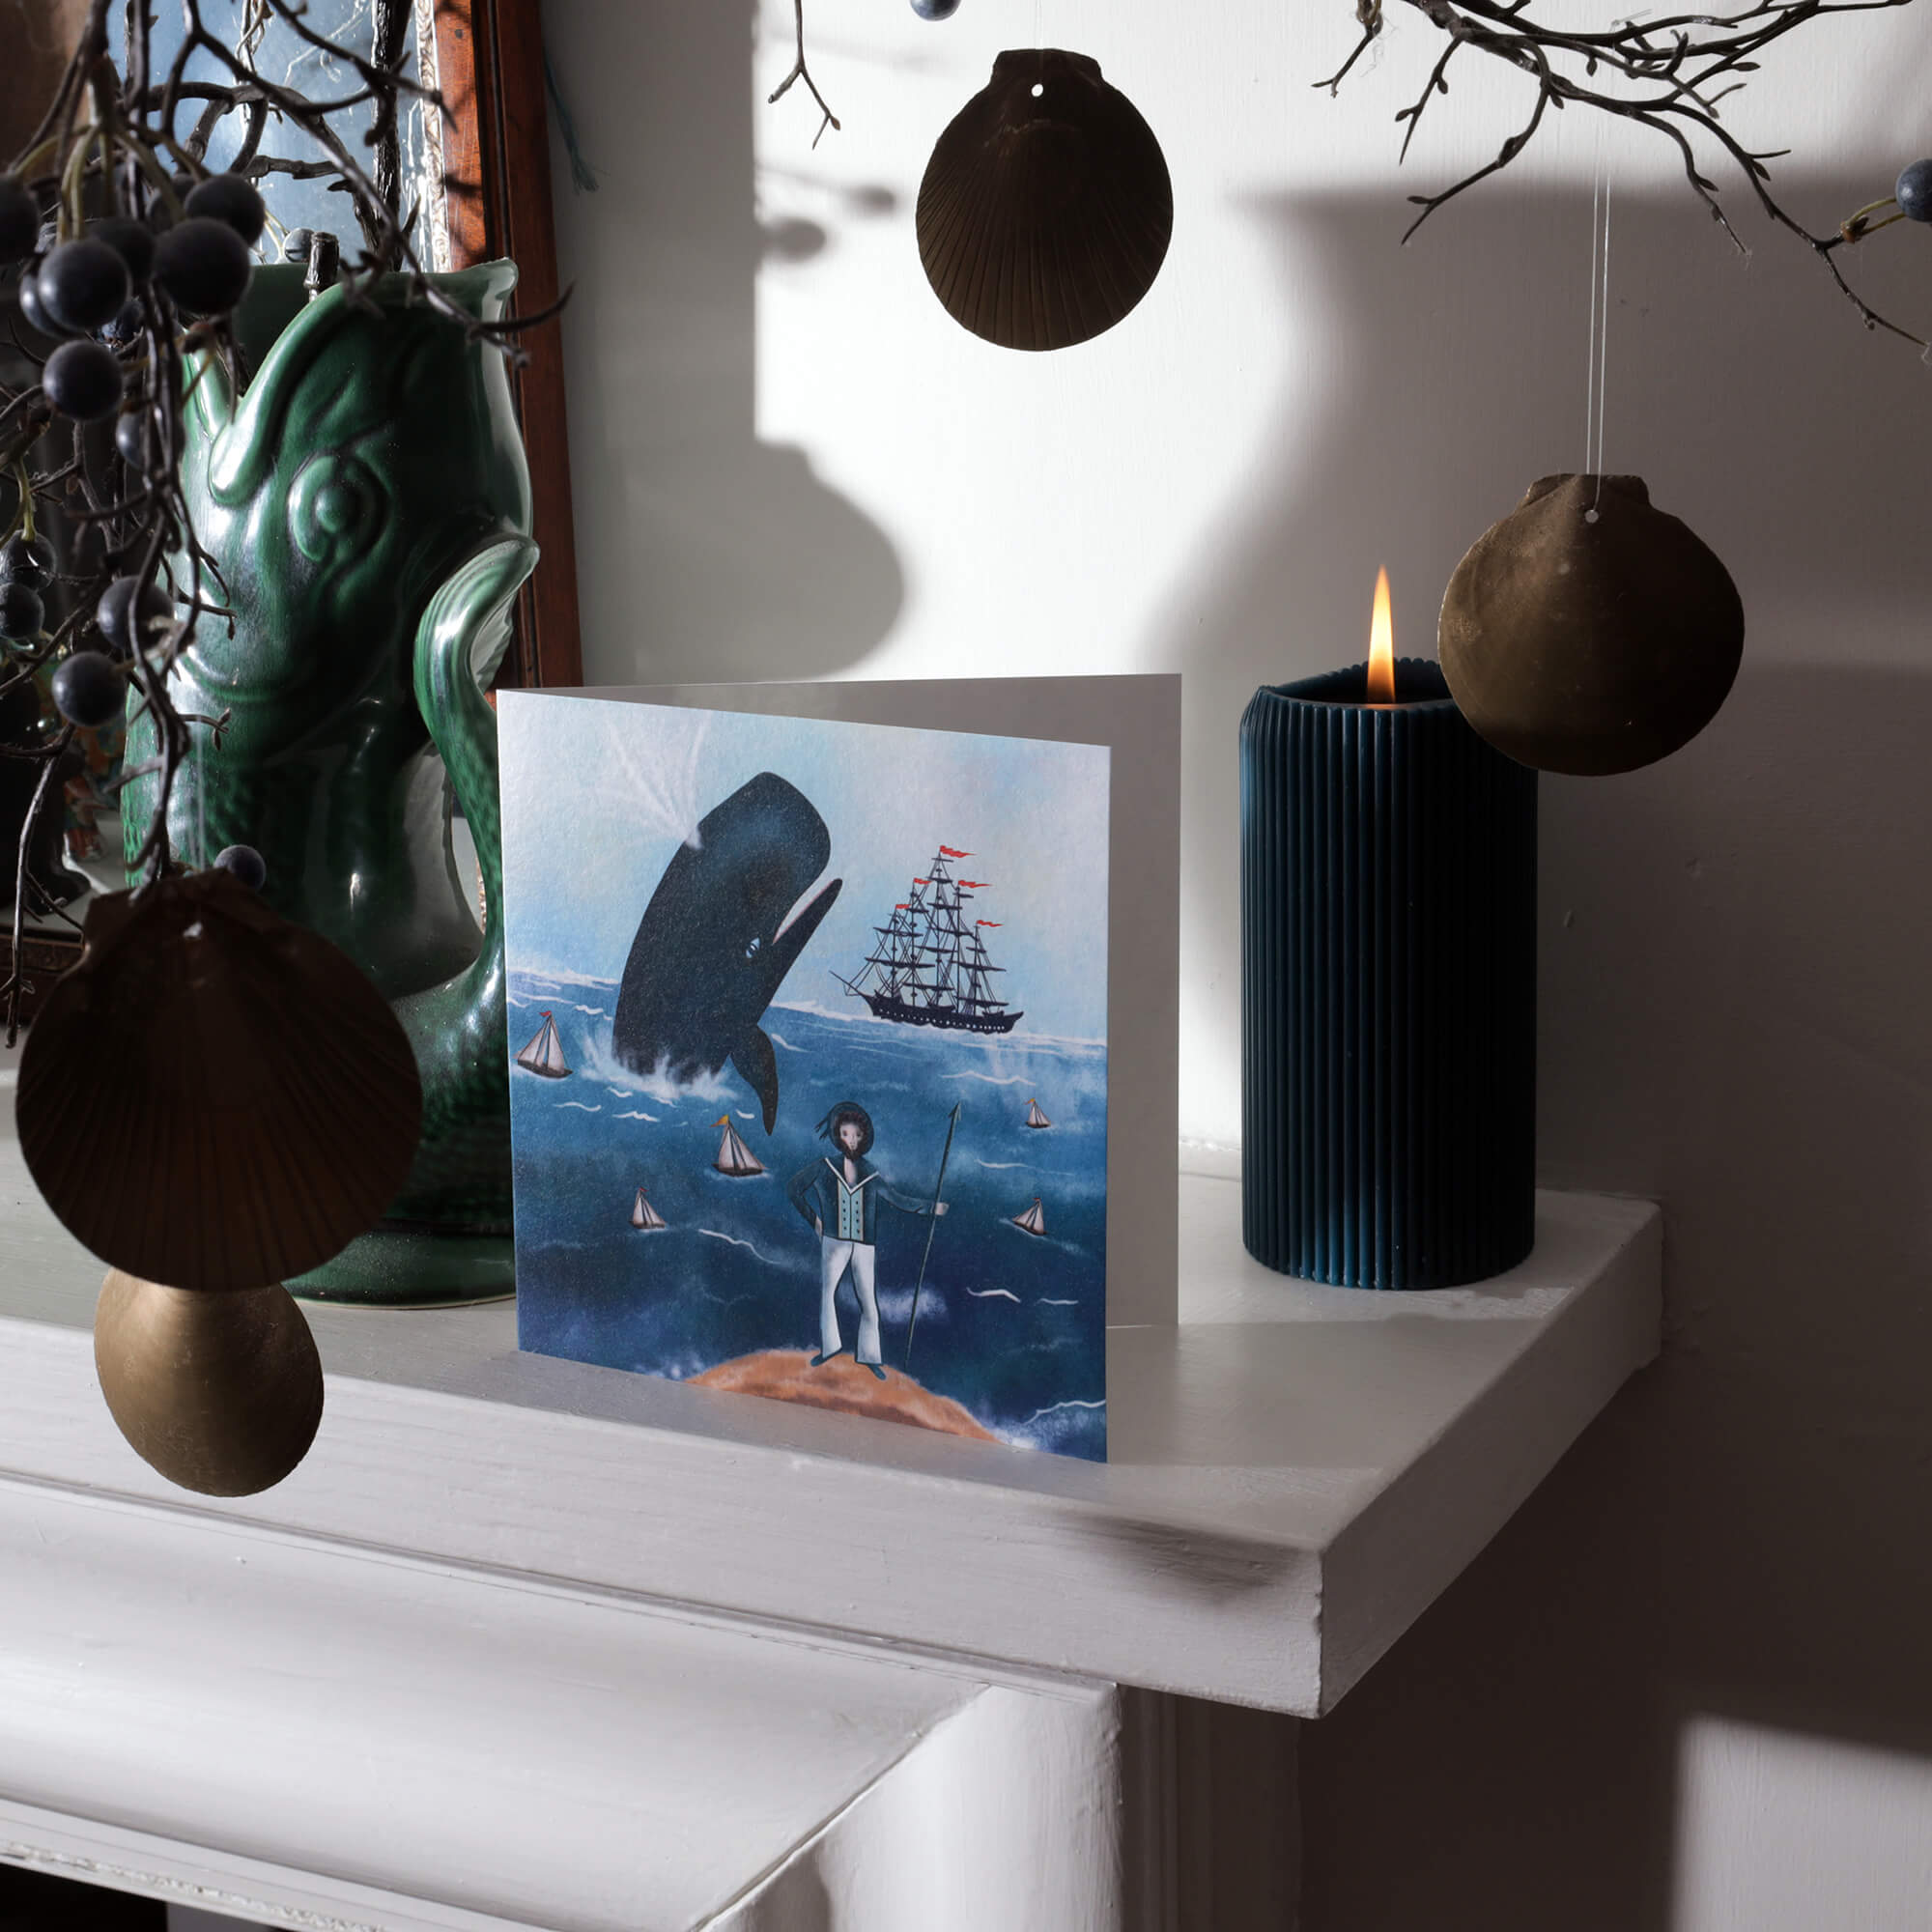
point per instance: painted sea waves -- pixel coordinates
(1011, 1309)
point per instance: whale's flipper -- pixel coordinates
(754, 1059)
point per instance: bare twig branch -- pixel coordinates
(1369, 17)
(392, 40)
(800, 72)
(16, 985)
(1667, 75)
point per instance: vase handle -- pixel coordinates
(460, 641)
(459, 1028)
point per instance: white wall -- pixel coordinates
(788, 462)
(1789, 1831)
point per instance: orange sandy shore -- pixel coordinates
(788, 1375)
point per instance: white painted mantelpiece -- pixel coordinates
(525, 1642)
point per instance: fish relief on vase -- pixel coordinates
(365, 505)
(809, 1059)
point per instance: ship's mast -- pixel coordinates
(896, 961)
(919, 923)
(944, 934)
(979, 991)
(976, 995)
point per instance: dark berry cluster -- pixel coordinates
(1913, 191)
(245, 863)
(128, 260)
(116, 294)
(96, 292)
(26, 569)
(89, 689)
(1910, 200)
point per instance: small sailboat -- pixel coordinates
(734, 1159)
(1035, 1118)
(1032, 1221)
(644, 1217)
(545, 1053)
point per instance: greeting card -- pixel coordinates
(809, 1033)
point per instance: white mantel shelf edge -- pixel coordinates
(1298, 1471)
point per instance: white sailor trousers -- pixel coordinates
(834, 1258)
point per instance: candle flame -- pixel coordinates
(1381, 645)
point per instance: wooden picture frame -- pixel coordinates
(490, 67)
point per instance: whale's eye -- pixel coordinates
(753, 947)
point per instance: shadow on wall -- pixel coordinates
(1423, 388)
(765, 571)
(1438, 379)
(1733, 1020)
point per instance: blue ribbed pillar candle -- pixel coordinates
(1388, 986)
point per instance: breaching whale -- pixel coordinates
(721, 933)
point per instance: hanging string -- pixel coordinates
(1590, 334)
(1597, 374)
(1603, 350)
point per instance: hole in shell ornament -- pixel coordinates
(1046, 208)
(1588, 631)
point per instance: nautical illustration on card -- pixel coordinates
(809, 1059)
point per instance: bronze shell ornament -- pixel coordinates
(1589, 632)
(218, 1390)
(1046, 209)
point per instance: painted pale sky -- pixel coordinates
(598, 795)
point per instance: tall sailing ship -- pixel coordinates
(930, 966)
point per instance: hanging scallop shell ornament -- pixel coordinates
(212, 1096)
(219, 1389)
(212, 1099)
(1589, 632)
(1046, 208)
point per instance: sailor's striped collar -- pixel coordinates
(869, 1173)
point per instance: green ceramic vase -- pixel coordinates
(367, 504)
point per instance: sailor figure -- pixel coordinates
(840, 1196)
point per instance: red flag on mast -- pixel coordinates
(951, 854)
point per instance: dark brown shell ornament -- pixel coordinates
(1046, 209)
(212, 1098)
(1588, 631)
